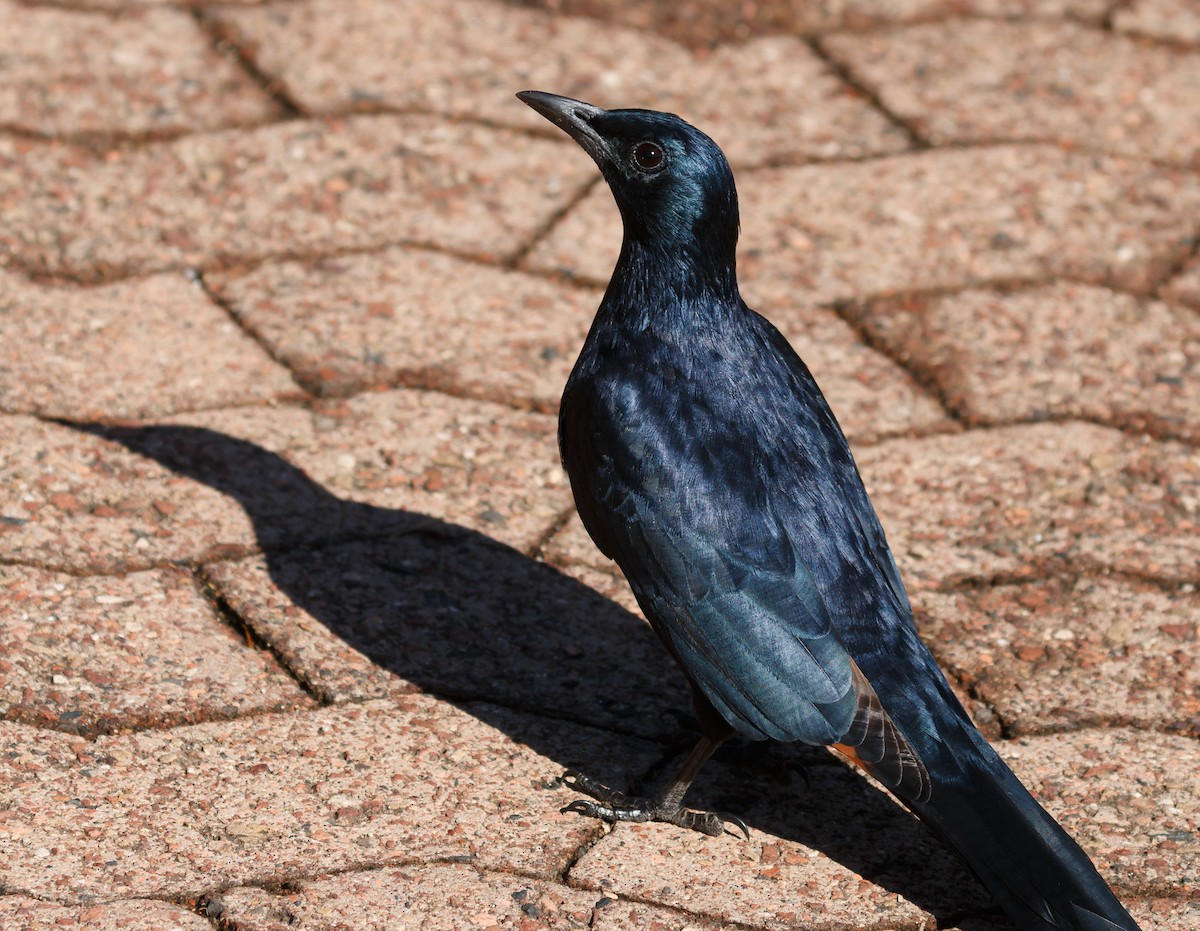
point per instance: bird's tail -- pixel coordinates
(1032, 867)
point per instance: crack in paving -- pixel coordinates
(223, 43)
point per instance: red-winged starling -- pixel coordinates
(705, 461)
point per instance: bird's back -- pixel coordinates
(718, 436)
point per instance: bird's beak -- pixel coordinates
(574, 117)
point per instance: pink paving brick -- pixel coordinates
(399, 898)
(1173, 20)
(139, 348)
(764, 100)
(1053, 655)
(21, 913)
(220, 483)
(1060, 350)
(148, 71)
(1030, 499)
(261, 800)
(1185, 287)
(826, 851)
(701, 23)
(291, 188)
(115, 653)
(988, 81)
(419, 318)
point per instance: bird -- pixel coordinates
(705, 461)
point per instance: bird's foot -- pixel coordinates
(611, 805)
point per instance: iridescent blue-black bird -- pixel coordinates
(705, 461)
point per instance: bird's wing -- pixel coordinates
(738, 608)
(758, 641)
(755, 638)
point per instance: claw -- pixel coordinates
(737, 823)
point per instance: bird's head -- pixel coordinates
(671, 182)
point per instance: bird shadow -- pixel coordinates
(474, 622)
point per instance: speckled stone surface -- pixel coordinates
(1128, 797)
(21, 913)
(1055, 655)
(382, 900)
(284, 189)
(835, 232)
(140, 348)
(1110, 789)
(136, 651)
(1019, 500)
(702, 22)
(1174, 20)
(149, 71)
(827, 851)
(768, 99)
(406, 316)
(258, 800)
(1062, 350)
(988, 81)
(224, 482)
(1185, 287)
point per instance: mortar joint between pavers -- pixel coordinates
(517, 259)
(225, 43)
(208, 588)
(846, 75)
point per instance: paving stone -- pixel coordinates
(1015, 501)
(871, 395)
(417, 318)
(20, 913)
(261, 800)
(1174, 20)
(988, 81)
(112, 653)
(461, 617)
(941, 219)
(399, 899)
(1055, 655)
(1034, 499)
(767, 99)
(138, 348)
(147, 71)
(235, 478)
(1129, 797)
(1167, 914)
(1061, 350)
(1185, 288)
(119, 7)
(1160, 914)
(826, 851)
(701, 23)
(287, 189)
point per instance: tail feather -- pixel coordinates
(1034, 869)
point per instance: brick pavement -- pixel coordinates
(296, 624)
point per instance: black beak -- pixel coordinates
(574, 117)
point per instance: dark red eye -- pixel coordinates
(648, 156)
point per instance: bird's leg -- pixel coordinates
(667, 807)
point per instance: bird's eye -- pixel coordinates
(648, 156)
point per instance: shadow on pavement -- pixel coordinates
(488, 629)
